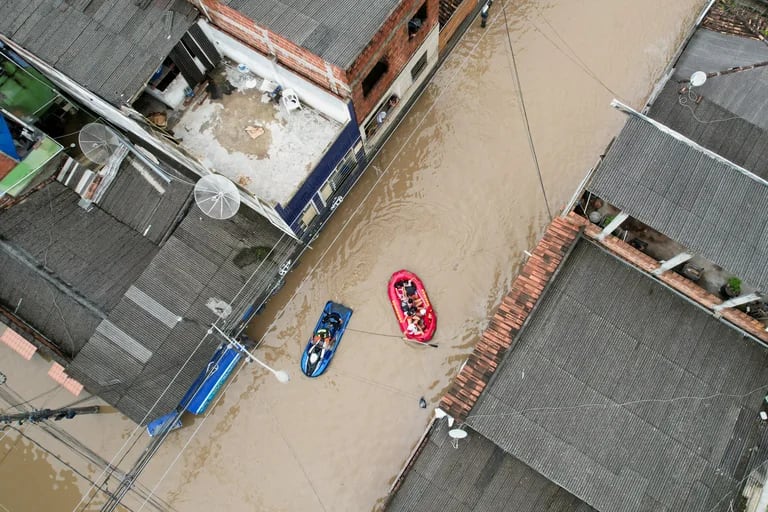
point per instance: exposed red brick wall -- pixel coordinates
(466, 8)
(392, 41)
(288, 54)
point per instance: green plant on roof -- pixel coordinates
(734, 283)
(608, 219)
(251, 255)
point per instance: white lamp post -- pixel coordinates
(280, 375)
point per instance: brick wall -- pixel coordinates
(391, 42)
(290, 55)
(466, 8)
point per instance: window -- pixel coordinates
(308, 215)
(418, 20)
(419, 66)
(378, 71)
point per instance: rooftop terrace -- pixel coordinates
(253, 140)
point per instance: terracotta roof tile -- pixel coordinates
(510, 316)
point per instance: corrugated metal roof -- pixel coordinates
(90, 254)
(336, 30)
(705, 203)
(742, 93)
(625, 394)
(194, 266)
(477, 476)
(111, 47)
(713, 127)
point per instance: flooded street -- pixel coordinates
(455, 197)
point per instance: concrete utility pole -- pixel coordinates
(44, 414)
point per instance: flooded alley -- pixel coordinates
(456, 197)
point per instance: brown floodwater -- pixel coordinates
(455, 197)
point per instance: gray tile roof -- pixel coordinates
(705, 203)
(713, 127)
(742, 93)
(50, 245)
(477, 476)
(336, 30)
(627, 395)
(111, 47)
(135, 352)
(132, 200)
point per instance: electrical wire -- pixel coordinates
(349, 219)
(107, 472)
(604, 405)
(25, 402)
(516, 76)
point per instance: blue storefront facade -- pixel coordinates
(328, 183)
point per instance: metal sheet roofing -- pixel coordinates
(111, 47)
(713, 127)
(162, 319)
(627, 395)
(742, 93)
(65, 267)
(477, 476)
(704, 202)
(336, 30)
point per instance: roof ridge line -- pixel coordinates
(618, 105)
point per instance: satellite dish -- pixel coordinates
(457, 433)
(98, 142)
(698, 79)
(217, 197)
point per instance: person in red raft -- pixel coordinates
(411, 304)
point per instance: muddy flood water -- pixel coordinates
(455, 197)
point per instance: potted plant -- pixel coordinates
(731, 288)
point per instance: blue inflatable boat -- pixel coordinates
(325, 339)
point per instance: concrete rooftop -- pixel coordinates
(273, 165)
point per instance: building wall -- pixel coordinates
(308, 191)
(310, 93)
(404, 86)
(288, 54)
(393, 43)
(465, 9)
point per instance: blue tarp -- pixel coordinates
(6, 140)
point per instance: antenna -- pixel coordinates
(456, 434)
(217, 197)
(98, 142)
(698, 79)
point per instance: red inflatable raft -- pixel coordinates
(411, 304)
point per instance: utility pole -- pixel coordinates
(44, 414)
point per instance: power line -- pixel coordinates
(322, 256)
(68, 440)
(525, 112)
(37, 397)
(107, 472)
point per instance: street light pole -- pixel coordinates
(280, 375)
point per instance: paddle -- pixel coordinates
(433, 345)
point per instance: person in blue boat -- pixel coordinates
(323, 339)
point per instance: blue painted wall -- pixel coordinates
(349, 136)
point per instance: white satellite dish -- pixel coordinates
(98, 142)
(698, 79)
(217, 197)
(457, 433)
